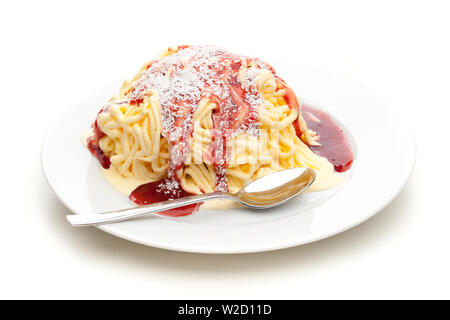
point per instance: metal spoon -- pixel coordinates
(266, 192)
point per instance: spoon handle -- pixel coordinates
(84, 220)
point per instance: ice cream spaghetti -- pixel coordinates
(200, 119)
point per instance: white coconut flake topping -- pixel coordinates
(182, 79)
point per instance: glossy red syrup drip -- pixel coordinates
(333, 143)
(151, 193)
(94, 148)
(289, 96)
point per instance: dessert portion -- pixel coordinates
(200, 119)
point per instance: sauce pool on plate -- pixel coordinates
(333, 143)
(151, 193)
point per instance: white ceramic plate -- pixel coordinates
(384, 156)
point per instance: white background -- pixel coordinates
(54, 54)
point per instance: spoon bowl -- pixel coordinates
(266, 192)
(276, 188)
